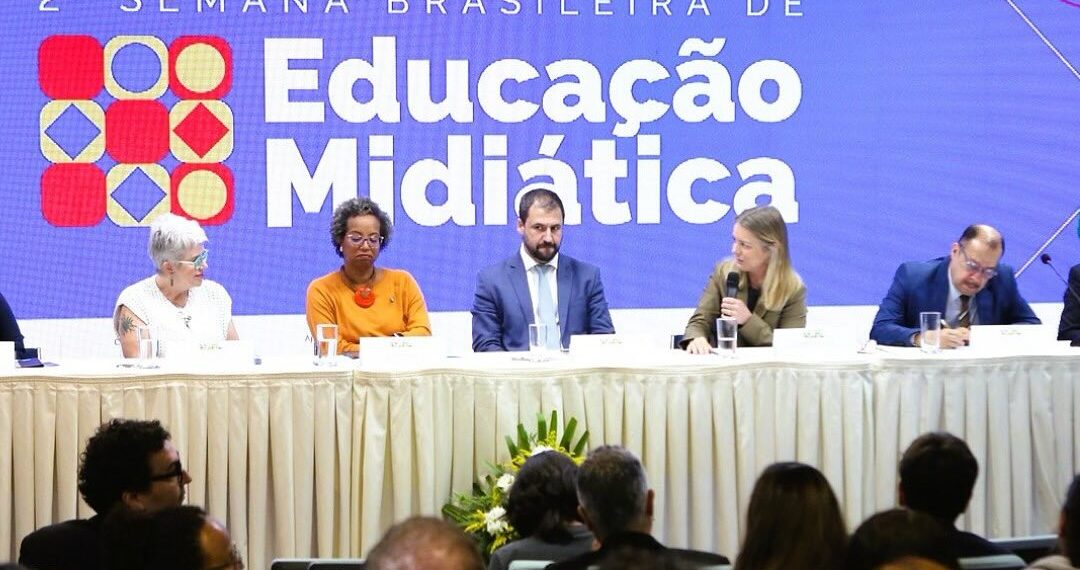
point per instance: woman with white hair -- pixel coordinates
(176, 302)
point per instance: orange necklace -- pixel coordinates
(364, 295)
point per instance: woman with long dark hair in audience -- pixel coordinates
(793, 521)
(1068, 534)
(542, 508)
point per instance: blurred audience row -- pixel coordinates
(598, 515)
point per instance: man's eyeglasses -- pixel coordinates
(176, 472)
(199, 261)
(972, 267)
(373, 241)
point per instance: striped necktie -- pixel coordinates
(964, 318)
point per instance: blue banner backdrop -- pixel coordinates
(880, 131)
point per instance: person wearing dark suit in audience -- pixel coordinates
(968, 287)
(424, 543)
(542, 506)
(937, 476)
(617, 506)
(770, 294)
(174, 538)
(793, 521)
(127, 464)
(1068, 534)
(1069, 327)
(9, 328)
(537, 285)
(900, 538)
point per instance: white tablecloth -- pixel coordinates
(302, 461)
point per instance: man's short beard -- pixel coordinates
(538, 256)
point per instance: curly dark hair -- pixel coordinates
(358, 207)
(168, 539)
(544, 497)
(116, 460)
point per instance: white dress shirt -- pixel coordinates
(532, 275)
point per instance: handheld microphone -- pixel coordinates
(732, 285)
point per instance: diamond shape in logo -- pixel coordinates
(72, 131)
(138, 194)
(201, 130)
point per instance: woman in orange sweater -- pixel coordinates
(360, 298)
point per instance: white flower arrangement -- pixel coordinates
(483, 513)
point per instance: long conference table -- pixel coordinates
(300, 460)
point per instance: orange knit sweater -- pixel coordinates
(399, 308)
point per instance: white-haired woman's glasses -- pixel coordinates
(200, 260)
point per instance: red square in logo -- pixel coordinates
(71, 67)
(200, 67)
(73, 195)
(136, 132)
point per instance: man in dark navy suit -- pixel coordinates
(537, 285)
(1069, 327)
(128, 464)
(616, 504)
(969, 287)
(937, 476)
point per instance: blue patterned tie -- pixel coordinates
(545, 305)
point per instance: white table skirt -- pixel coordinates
(300, 461)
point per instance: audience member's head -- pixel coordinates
(898, 534)
(175, 538)
(613, 492)
(543, 498)
(793, 521)
(131, 462)
(912, 563)
(626, 558)
(424, 543)
(1069, 526)
(937, 475)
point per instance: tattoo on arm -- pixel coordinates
(126, 324)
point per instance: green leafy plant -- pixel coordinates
(482, 514)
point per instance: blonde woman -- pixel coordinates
(770, 295)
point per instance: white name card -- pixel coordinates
(617, 344)
(395, 351)
(215, 354)
(833, 339)
(7, 355)
(1012, 338)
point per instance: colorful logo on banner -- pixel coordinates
(108, 153)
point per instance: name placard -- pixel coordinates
(7, 355)
(1012, 338)
(833, 339)
(215, 354)
(616, 344)
(402, 350)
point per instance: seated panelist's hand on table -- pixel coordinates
(950, 337)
